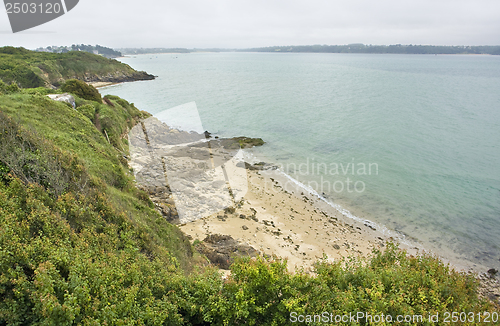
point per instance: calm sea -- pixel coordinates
(410, 142)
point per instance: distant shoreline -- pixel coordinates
(348, 48)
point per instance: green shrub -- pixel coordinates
(82, 90)
(87, 110)
(8, 89)
(39, 91)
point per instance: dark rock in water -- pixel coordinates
(371, 227)
(492, 271)
(222, 249)
(242, 142)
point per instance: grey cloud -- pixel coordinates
(245, 23)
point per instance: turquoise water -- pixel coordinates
(427, 126)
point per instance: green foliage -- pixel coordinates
(8, 89)
(73, 248)
(260, 292)
(62, 142)
(87, 110)
(81, 89)
(81, 245)
(36, 69)
(394, 283)
(77, 261)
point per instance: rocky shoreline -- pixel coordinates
(265, 219)
(118, 77)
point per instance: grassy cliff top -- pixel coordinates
(36, 69)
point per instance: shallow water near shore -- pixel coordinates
(407, 141)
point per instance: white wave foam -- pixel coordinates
(401, 238)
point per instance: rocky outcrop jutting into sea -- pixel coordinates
(187, 176)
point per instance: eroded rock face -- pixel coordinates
(118, 77)
(161, 197)
(222, 249)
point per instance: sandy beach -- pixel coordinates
(302, 228)
(102, 84)
(290, 224)
(270, 213)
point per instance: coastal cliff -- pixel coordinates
(81, 244)
(31, 69)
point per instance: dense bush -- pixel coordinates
(82, 90)
(391, 283)
(78, 261)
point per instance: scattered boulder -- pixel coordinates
(240, 142)
(222, 249)
(268, 223)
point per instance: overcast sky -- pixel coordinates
(257, 23)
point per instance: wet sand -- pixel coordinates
(278, 219)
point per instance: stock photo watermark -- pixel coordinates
(328, 178)
(360, 317)
(27, 14)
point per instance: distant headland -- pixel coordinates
(40, 69)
